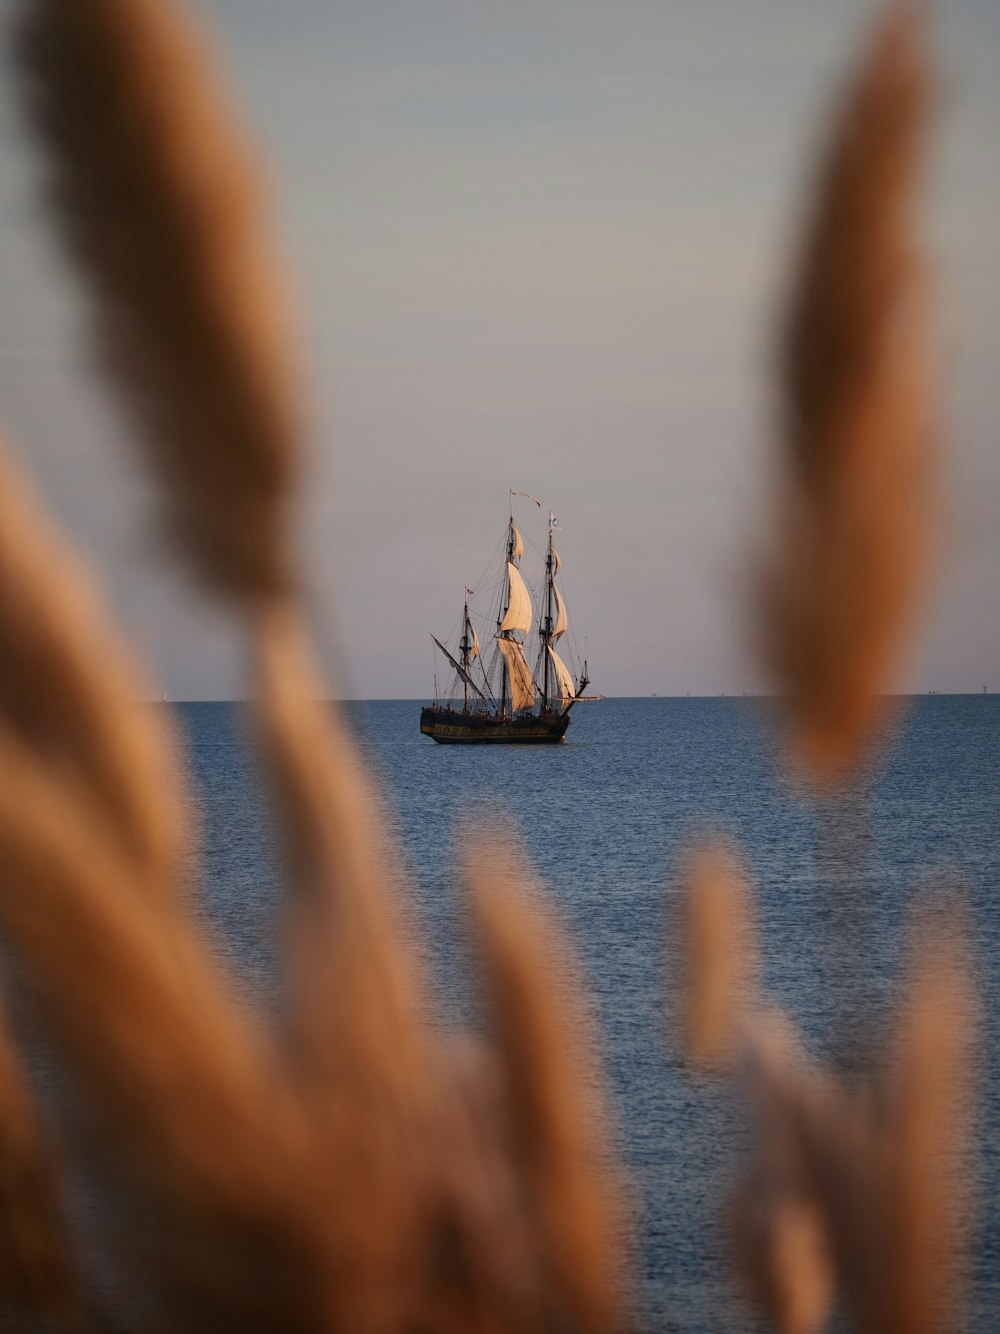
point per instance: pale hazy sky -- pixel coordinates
(537, 245)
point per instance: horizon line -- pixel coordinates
(719, 694)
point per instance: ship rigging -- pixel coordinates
(501, 697)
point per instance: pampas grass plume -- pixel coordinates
(923, 1159)
(355, 990)
(556, 1118)
(717, 953)
(70, 691)
(784, 1261)
(158, 202)
(781, 1232)
(846, 567)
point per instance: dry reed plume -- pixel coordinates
(359, 1173)
(61, 691)
(853, 1187)
(845, 568)
(850, 1186)
(551, 1092)
(158, 199)
(717, 949)
(354, 1169)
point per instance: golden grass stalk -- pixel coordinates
(38, 1279)
(356, 993)
(114, 963)
(154, 195)
(69, 690)
(890, 1167)
(845, 568)
(158, 202)
(925, 1148)
(782, 1236)
(717, 959)
(557, 1127)
(783, 1257)
(863, 1187)
(205, 1158)
(363, 1060)
(198, 1145)
(782, 1248)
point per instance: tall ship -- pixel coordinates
(518, 690)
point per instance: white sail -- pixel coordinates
(519, 609)
(561, 623)
(522, 683)
(518, 542)
(556, 562)
(567, 692)
(474, 650)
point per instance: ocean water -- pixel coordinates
(606, 819)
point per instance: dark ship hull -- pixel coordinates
(453, 727)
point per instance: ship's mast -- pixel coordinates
(465, 647)
(504, 603)
(546, 634)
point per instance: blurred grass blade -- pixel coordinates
(559, 1134)
(845, 569)
(158, 203)
(69, 690)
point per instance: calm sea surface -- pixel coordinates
(606, 818)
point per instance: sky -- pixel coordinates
(539, 246)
